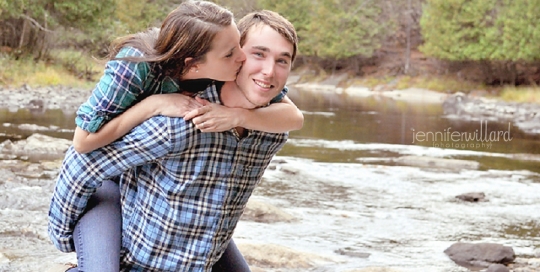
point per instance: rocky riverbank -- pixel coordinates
(460, 106)
(30, 166)
(28, 181)
(39, 99)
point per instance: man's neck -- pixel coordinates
(232, 97)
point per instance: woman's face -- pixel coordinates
(225, 58)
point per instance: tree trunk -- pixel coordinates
(408, 50)
(23, 32)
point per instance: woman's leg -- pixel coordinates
(231, 261)
(98, 234)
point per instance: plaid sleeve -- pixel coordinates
(115, 92)
(280, 96)
(82, 174)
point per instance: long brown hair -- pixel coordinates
(188, 31)
(273, 20)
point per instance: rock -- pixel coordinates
(352, 253)
(460, 107)
(265, 213)
(430, 162)
(497, 268)
(289, 169)
(375, 269)
(3, 259)
(472, 197)
(479, 255)
(276, 256)
(37, 147)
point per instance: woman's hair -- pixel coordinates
(188, 31)
(273, 20)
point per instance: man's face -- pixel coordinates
(267, 65)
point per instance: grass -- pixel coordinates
(68, 68)
(521, 95)
(438, 84)
(75, 69)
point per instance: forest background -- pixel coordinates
(484, 46)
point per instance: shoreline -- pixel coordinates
(458, 106)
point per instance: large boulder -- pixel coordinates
(480, 255)
(265, 213)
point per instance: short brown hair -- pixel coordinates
(187, 32)
(271, 19)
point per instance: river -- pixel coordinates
(354, 204)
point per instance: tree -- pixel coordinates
(29, 25)
(499, 34)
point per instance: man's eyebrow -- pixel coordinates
(266, 49)
(262, 48)
(287, 54)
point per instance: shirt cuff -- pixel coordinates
(92, 125)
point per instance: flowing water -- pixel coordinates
(353, 203)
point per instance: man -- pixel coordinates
(183, 191)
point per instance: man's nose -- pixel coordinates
(268, 67)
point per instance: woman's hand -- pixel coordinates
(175, 104)
(212, 117)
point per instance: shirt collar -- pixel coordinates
(212, 92)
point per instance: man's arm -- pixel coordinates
(82, 174)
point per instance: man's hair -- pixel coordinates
(271, 19)
(187, 32)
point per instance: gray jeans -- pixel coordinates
(98, 233)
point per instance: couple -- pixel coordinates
(183, 184)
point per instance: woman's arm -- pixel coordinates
(276, 118)
(173, 105)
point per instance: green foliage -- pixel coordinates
(520, 35)
(492, 30)
(334, 28)
(72, 13)
(84, 13)
(138, 15)
(346, 28)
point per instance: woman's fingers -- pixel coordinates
(197, 112)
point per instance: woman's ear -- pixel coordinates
(188, 62)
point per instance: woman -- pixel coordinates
(197, 43)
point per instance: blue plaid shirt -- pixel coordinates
(183, 191)
(123, 84)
